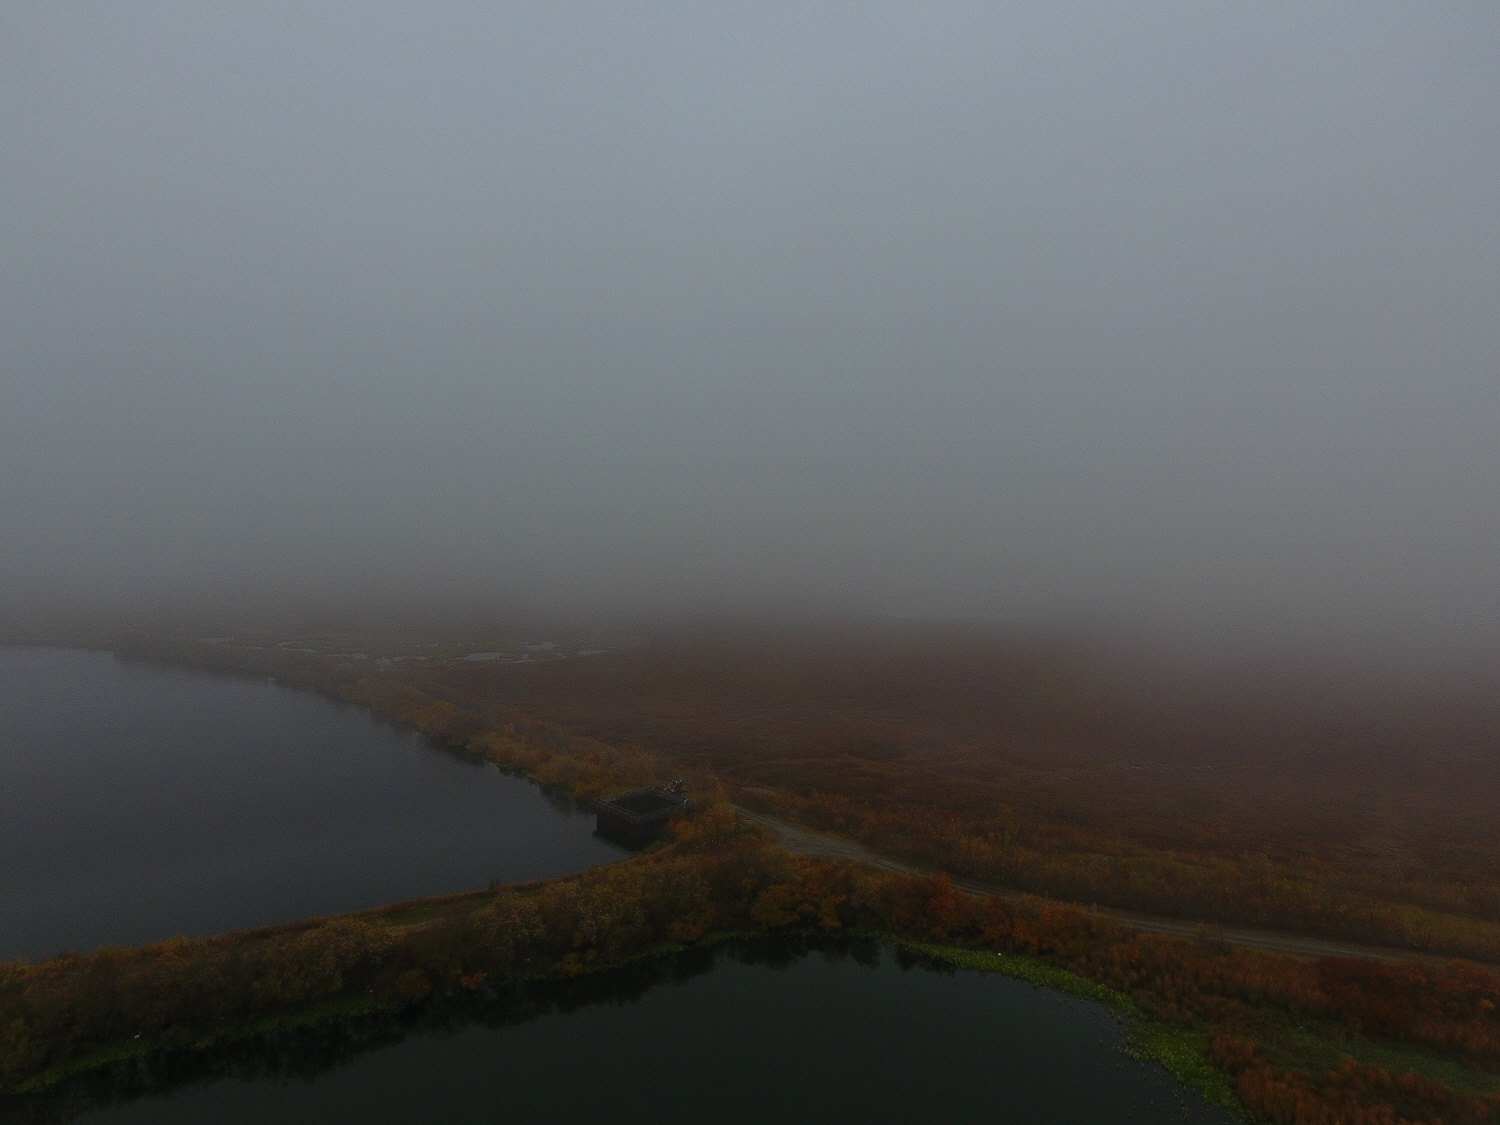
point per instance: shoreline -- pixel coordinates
(1180, 1053)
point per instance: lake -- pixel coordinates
(139, 801)
(764, 1032)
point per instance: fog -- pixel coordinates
(1101, 312)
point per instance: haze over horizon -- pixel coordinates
(1100, 312)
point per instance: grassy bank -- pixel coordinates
(1180, 1051)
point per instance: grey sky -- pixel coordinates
(1176, 310)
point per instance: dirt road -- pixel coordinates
(804, 841)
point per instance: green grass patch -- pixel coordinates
(416, 916)
(1182, 1053)
(199, 1039)
(1318, 1048)
(1031, 969)
(104, 1056)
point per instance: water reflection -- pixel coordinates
(806, 1030)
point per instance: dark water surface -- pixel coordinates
(818, 1038)
(138, 802)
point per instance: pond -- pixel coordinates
(138, 802)
(848, 1032)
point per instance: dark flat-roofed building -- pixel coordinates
(640, 814)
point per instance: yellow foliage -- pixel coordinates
(776, 906)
